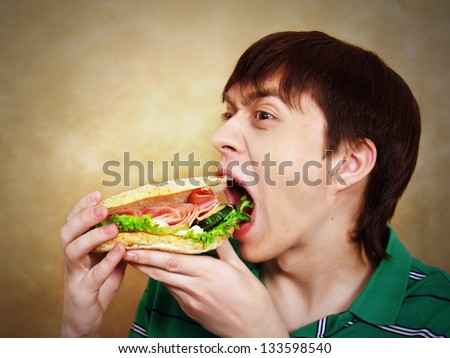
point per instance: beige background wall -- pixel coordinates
(82, 82)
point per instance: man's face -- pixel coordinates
(276, 153)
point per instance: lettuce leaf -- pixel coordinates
(224, 228)
(143, 223)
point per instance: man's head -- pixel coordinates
(362, 100)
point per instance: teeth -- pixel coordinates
(232, 182)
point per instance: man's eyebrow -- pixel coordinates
(227, 99)
(249, 97)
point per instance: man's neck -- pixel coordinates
(315, 280)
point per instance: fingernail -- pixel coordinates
(130, 256)
(94, 196)
(98, 211)
(116, 248)
(109, 229)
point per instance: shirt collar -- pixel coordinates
(381, 299)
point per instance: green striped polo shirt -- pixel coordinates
(403, 298)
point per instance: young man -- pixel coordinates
(332, 136)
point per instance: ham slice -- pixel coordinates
(208, 209)
(201, 204)
(176, 214)
(205, 200)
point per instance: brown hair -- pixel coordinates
(361, 97)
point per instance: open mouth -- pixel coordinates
(235, 193)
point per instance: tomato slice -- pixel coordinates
(199, 196)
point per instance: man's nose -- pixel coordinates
(228, 139)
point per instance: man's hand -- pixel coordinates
(91, 281)
(221, 295)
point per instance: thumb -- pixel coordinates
(227, 254)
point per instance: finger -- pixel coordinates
(109, 290)
(81, 223)
(173, 279)
(227, 254)
(90, 200)
(83, 245)
(105, 267)
(177, 263)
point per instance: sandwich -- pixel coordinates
(182, 216)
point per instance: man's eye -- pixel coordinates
(226, 116)
(260, 115)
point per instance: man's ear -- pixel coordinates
(357, 160)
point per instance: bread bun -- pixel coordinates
(170, 243)
(171, 192)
